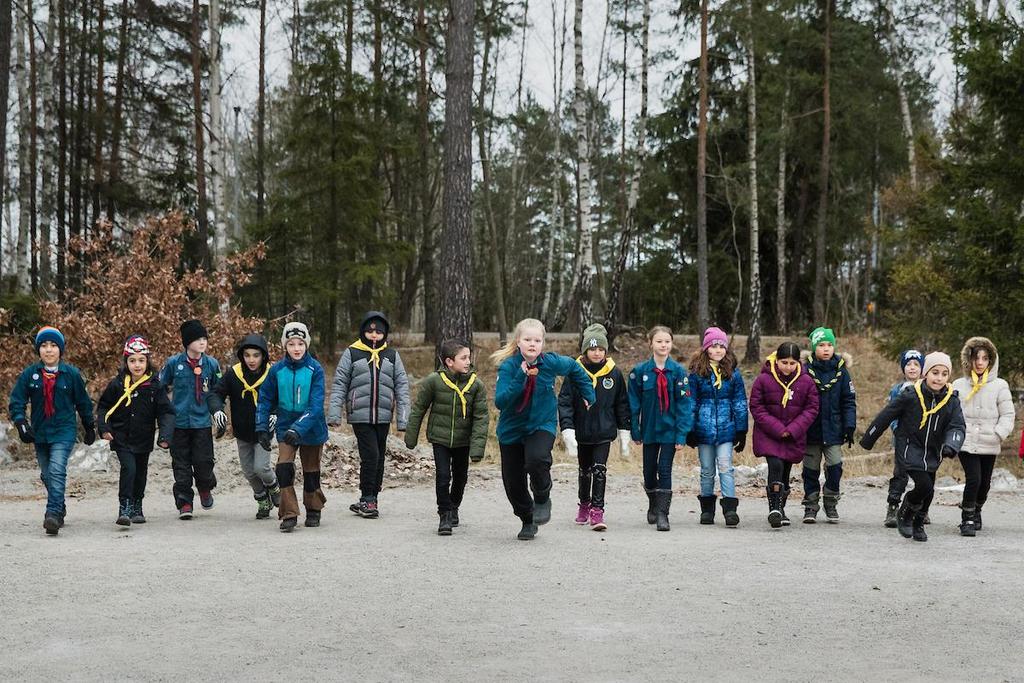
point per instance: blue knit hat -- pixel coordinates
(909, 355)
(50, 334)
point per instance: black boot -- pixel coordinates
(137, 515)
(455, 517)
(663, 504)
(967, 522)
(312, 518)
(288, 524)
(529, 530)
(782, 507)
(890, 515)
(919, 533)
(52, 524)
(707, 509)
(652, 507)
(905, 519)
(542, 506)
(124, 513)
(977, 516)
(729, 506)
(444, 528)
(775, 505)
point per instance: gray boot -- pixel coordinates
(811, 507)
(652, 506)
(663, 503)
(830, 499)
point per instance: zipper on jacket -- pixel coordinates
(451, 435)
(374, 380)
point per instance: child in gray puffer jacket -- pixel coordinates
(371, 384)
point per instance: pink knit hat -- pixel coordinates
(713, 336)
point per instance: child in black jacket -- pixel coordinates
(241, 385)
(930, 427)
(588, 434)
(132, 407)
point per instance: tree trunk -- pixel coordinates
(261, 115)
(5, 84)
(556, 227)
(100, 113)
(455, 318)
(901, 91)
(33, 149)
(21, 73)
(117, 127)
(62, 146)
(780, 219)
(218, 163)
(754, 338)
(703, 308)
(585, 281)
(48, 146)
(820, 293)
(202, 222)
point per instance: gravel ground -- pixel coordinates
(228, 597)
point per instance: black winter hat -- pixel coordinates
(192, 330)
(253, 341)
(379, 318)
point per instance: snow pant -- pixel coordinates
(451, 471)
(923, 491)
(255, 462)
(312, 495)
(978, 472)
(526, 467)
(372, 440)
(658, 459)
(53, 471)
(131, 483)
(593, 460)
(192, 459)
(898, 483)
(813, 455)
(718, 458)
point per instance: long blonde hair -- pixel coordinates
(510, 347)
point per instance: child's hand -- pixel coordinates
(530, 372)
(163, 444)
(786, 435)
(680, 446)
(107, 436)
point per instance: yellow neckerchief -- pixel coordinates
(924, 409)
(718, 375)
(461, 393)
(126, 397)
(825, 387)
(251, 388)
(374, 353)
(608, 365)
(977, 384)
(785, 387)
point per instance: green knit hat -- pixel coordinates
(822, 334)
(594, 337)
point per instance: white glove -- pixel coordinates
(624, 438)
(221, 420)
(569, 439)
(271, 423)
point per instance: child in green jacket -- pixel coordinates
(457, 426)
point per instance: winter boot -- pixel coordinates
(918, 532)
(967, 522)
(977, 517)
(782, 507)
(775, 505)
(707, 509)
(928, 520)
(597, 519)
(890, 515)
(206, 499)
(830, 499)
(124, 513)
(729, 505)
(137, 515)
(312, 518)
(275, 494)
(455, 517)
(583, 513)
(288, 524)
(52, 524)
(810, 503)
(444, 527)
(529, 530)
(905, 519)
(652, 507)
(542, 506)
(663, 504)
(263, 507)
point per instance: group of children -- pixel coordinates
(803, 407)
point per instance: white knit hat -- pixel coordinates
(936, 358)
(295, 330)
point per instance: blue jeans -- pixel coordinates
(53, 470)
(720, 457)
(658, 465)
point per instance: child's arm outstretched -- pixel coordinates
(424, 399)
(892, 412)
(571, 370)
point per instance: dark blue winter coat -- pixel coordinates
(179, 377)
(295, 390)
(718, 413)
(650, 424)
(837, 400)
(69, 398)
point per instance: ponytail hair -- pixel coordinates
(788, 350)
(509, 349)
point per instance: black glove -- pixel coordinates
(263, 439)
(90, 435)
(948, 452)
(291, 437)
(25, 432)
(848, 437)
(741, 442)
(691, 439)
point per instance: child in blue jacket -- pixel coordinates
(525, 395)
(294, 389)
(189, 377)
(720, 422)
(662, 412)
(55, 391)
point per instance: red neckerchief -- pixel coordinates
(198, 377)
(49, 385)
(662, 389)
(531, 383)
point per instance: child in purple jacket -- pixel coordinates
(784, 403)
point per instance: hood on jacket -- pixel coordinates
(979, 343)
(253, 341)
(373, 315)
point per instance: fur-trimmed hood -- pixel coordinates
(807, 356)
(983, 343)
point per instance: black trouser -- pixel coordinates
(451, 467)
(134, 469)
(529, 458)
(924, 490)
(779, 471)
(192, 458)
(978, 471)
(372, 440)
(593, 459)
(898, 483)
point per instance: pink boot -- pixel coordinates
(597, 519)
(583, 514)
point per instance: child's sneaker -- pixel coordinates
(583, 513)
(597, 520)
(206, 499)
(263, 508)
(275, 495)
(368, 509)
(185, 511)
